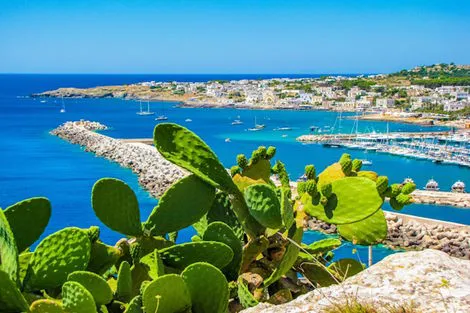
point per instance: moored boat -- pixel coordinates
(432, 185)
(458, 186)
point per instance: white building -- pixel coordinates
(384, 103)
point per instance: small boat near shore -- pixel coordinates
(161, 118)
(188, 120)
(257, 127)
(458, 186)
(237, 121)
(282, 128)
(432, 185)
(366, 162)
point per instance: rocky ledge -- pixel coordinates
(155, 173)
(428, 281)
(413, 233)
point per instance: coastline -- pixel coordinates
(156, 174)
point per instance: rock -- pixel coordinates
(431, 281)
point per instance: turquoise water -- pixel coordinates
(34, 163)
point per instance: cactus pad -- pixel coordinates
(46, 306)
(154, 264)
(330, 174)
(95, 284)
(251, 251)
(124, 282)
(115, 204)
(183, 204)
(406, 189)
(58, 255)
(8, 249)
(77, 299)
(356, 165)
(264, 205)
(318, 274)
(222, 211)
(353, 199)
(23, 261)
(208, 288)
(184, 148)
(322, 246)
(182, 255)
(368, 231)
(247, 300)
(11, 299)
(368, 174)
(102, 257)
(135, 306)
(28, 219)
(221, 232)
(166, 294)
(287, 211)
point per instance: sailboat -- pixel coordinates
(257, 127)
(62, 109)
(237, 121)
(141, 112)
(163, 117)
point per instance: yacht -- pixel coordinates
(237, 122)
(257, 127)
(283, 128)
(188, 120)
(161, 118)
(408, 180)
(142, 112)
(227, 140)
(432, 185)
(366, 162)
(458, 186)
(314, 128)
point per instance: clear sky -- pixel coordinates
(238, 36)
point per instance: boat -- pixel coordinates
(408, 180)
(257, 127)
(161, 118)
(188, 120)
(43, 101)
(284, 136)
(432, 185)
(314, 128)
(366, 162)
(283, 128)
(144, 113)
(458, 186)
(330, 145)
(62, 109)
(237, 122)
(227, 140)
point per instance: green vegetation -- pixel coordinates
(437, 75)
(247, 249)
(362, 83)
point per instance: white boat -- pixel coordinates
(366, 162)
(237, 122)
(188, 120)
(144, 113)
(161, 118)
(458, 186)
(257, 127)
(62, 109)
(43, 101)
(432, 185)
(227, 139)
(408, 180)
(283, 128)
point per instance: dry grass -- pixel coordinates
(356, 306)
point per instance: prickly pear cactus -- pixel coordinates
(47, 306)
(77, 299)
(252, 250)
(11, 299)
(182, 255)
(28, 219)
(345, 205)
(8, 251)
(58, 255)
(221, 232)
(183, 204)
(124, 282)
(368, 174)
(406, 189)
(318, 274)
(287, 210)
(208, 288)
(115, 204)
(356, 165)
(102, 257)
(322, 246)
(23, 261)
(247, 300)
(184, 148)
(95, 284)
(256, 171)
(166, 294)
(222, 211)
(135, 306)
(368, 231)
(264, 205)
(154, 263)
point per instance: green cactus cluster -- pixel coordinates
(248, 247)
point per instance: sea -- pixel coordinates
(35, 163)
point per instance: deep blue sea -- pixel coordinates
(34, 163)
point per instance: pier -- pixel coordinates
(317, 138)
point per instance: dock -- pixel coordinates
(319, 138)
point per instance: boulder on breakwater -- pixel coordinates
(155, 173)
(428, 281)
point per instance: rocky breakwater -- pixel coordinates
(428, 281)
(155, 173)
(413, 233)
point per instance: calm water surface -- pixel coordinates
(34, 163)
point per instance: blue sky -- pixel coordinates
(239, 36)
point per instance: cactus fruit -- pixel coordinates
(264, 205)
(406, 189)
(46, 306)
(58, 255)
(28, 219)
(77, 299)
(8, 251)
(326, 190)
(290, 256)
(247, 300)
(95, 284)
(310, 172)
(183, 204)
(102, 257)
(346, 163)
(208, 288)
(154, 264)
(280, 169)
(311, 187)
(135, 305)
(166, 294)
(124, 282)
(353, 199)
(242, 161)
(368, 231)
(356, 165)
(399, 201)
(393, 190)
(235, 170)
(382, 184)
(182, 255)
(115, 204)
(270, 152)
(184, 148)
(322, 246)
(93, 233)
(11, 299)
(221, 232)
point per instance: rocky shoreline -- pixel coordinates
(156, 174)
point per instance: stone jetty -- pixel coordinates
(155, 173)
